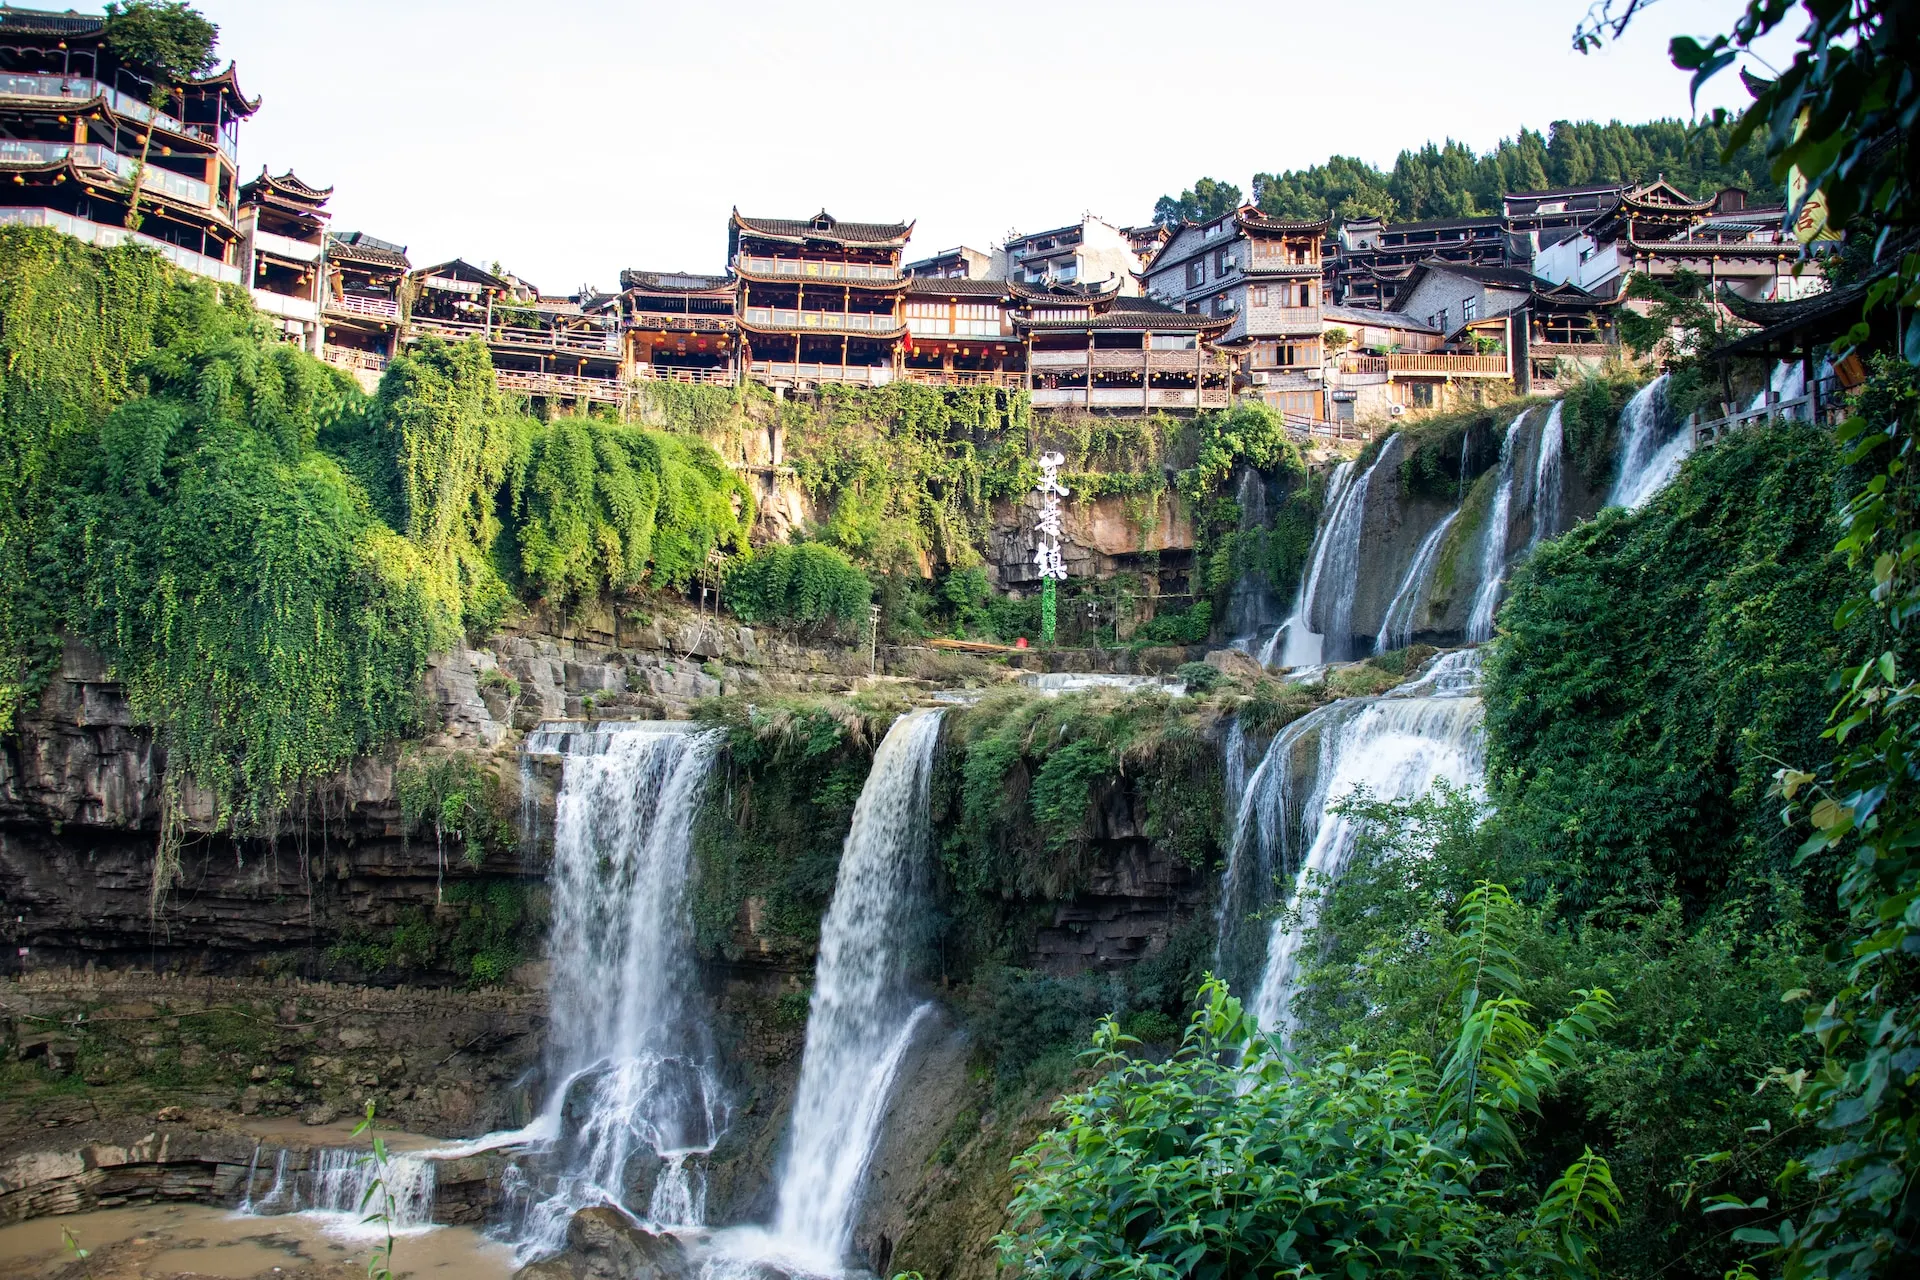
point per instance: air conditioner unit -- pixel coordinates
(1262, 378)
(1395, 410)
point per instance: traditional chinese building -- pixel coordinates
(959, 262)
(960, 332)
(680, 325)
(1091, 252)
(360, 301)
(819, 300)
(1370, 256)
(1096, 349)
(283, 230)
(1260, 279)
(75, 124)
(566, 350)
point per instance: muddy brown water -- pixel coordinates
(189, 1242)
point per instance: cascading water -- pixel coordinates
(629, 1048)
(1396, 627)
(1647, 462)
(1292, 637)
(1547, 480)
(1396, 746)
(863, 1016)
(1493, 549)
(335, 1188)
(1333, 575)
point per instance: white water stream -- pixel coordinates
(1396, 746)
(1547, 480)
(1397, 626)
(1647, 462)
(863, 1016)
(1493, 546)
(1333, 573)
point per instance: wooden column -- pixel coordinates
(1088, 395)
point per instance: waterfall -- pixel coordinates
(1547, 481)
(629, 1048)
(1292, 635)
(1333, 574)
(1647, 462)
(1396, 627)
(863, 1018)
(1396, 746)
(1493, 549)
(336, 1186)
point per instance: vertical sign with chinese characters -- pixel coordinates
(1046, 539)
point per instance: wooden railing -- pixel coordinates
(353, 304)
(1421, 362)
(588, 342)
(707, 377)
(683, 321)
(349, 358)
(787, 370)
(821, 321)
(806, 269)
(1819, 400)
(564, 385)
(965, 378)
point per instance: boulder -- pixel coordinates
(604, 1244)
(1234, 662)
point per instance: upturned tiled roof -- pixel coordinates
(824, 226)
(357, 246)
(1382, 319)
(672, 281)
(953, 286)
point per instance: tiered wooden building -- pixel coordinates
(680, 325)
(75, 122)
(283, 231)
(361, 301)
(819, 300)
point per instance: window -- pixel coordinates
(1222, 305)
(1196, 273)
(1441, 321)
(1259, 298)
(1306, 295)
(1467, 309)
(1222, 262)
(1173, 341)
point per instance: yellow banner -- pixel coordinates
(1810, 223)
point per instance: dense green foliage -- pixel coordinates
(259, 615)
(1204, 200)
(1699, 1021)
(1234, 1158)
(495, 925)
(268, 558)
(1656, 667)
(1451, 180)
(600, 508)
(801, 584)
(775, 815)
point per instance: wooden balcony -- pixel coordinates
(571, 341)
(703, 377)
(1269, 264)
(1265, 321)
(821, 321)
(1139, 398)
(364, 308)
(788, 371)
(965, 378)
(349, 358)
(679, 322)
(802, 269)
(1157, 361)
(564, 386)
(1451, 366)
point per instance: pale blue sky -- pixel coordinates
(570, 138)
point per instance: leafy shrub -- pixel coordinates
(1232, 1158)
(1198, 676)
(803, 584)
(1186, 626)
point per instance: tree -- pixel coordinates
(1206, 199)
(1842, 115)
(175, 42)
